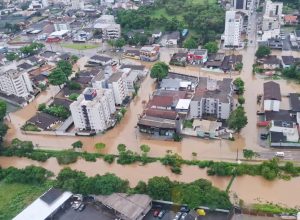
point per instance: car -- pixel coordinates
(156, 213)
(161, 213)
(184, 209)
(81, 208)
(177, 216)
(264, 136)
(279, 154)
(183, 216)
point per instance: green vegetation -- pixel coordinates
(120, 114)
(16, 196)
(31, 49)
(263, 51)
(188, 123)
(73, 85)
(292, 72)
(73, 96)
(271, 208)
(118, 43)
(79, 46)
(12, 56)
(77, 144)
(177, 137)
(204, 18)
(30, 127)
(190, 43)
(212, 47)
(241, 100)
(159, 71)
(67, 157)
(239, 86)
(100, 146)
(238, 67)
(249, 154)
(58, 111)
(60, 74)
(3, 126)
(237, 119)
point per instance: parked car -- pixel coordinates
(161, 213)
(81, 208)
(264, 136)
(183, 216)
(279, 154)
(184, 209)
(177, 216)
(156, 213)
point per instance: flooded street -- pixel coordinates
(250, 189)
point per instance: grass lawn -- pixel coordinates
(15, 197)
(79, 46)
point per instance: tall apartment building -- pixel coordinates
(233, 29)
(273, 8)
(117, 82)
(212, 98)
(241, 4)
(93, 109)
(13, 82)
(108, 26)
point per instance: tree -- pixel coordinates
(74, 59)
(72, 85)
(241, 100)
(145, 148)
(212, 47)
(190, 43)
(65, 66)
(238, 67)
(239, 85)
(73, 96)
(57, 77)
(77, 144)
(3, 109)
(42, 107)
(121, 148)
(100, 146)
(263, 51)
(159, 71)
(160, 188)
(249, 154)
(31, 49)
(120, 43)
(12, 56)
(237, 119)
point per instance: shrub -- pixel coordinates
(89, 157)
(77, 144)
(73, 96)
(39, 156)
(42, 107)
(176, 170)
(67, 157)
(109, 158)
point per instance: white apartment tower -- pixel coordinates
(273, 9)
(13, 82)
(233, 29)
(77, 4)
(93, 109)
(117, 82)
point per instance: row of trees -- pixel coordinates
(26, 51)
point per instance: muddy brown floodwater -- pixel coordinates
(248, 188)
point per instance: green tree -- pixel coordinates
(248, 154)
(74, 59)
(73, 96)
(42, 107)
(31, 49)
(121, 148)
(3, 109)
(159, 71)
(57, 77)
(77, 144)
(65, 66)
(11, 56)
(145, 148)
(238, 67)
(140, 188)
(160, 188)
(120, 43)
(241, 100)
(73, 85)
(237, 119)
(263, 51)
(100, 146)
(239, 85)
(190, 43)
(211, 47)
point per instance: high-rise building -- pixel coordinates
(13, 82)
(93, 109)
(233, 29)
(273, 8)
(117, 82)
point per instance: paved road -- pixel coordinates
(252, 27)
(292, 155)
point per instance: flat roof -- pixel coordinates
(183, 104)
(44, 206)
(59, 33)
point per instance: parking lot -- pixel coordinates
(91, 212)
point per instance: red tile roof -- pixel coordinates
(162, 101)
(167, 114)
(290, 18)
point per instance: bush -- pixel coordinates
(67, 157)
(39, 156)
(109, 158)
(177, 137)
(89, 157)
(74, 85)
(58, 111)
(77, 144)
(176, 170)
(73, 96)
(42, 107)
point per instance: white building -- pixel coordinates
(233, 29)
(77, 4)
(13, 82)
(273, 8)
(272, 96)
(61, 27)
(93, 109)
(117, 82)
(108, 26)
(287, 128)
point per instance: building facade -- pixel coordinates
(93, 109)
(117, 82)
(233, 29)
(13, 82)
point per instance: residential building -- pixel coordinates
(275, 43)
(13, 82)
(117, 82)
(286, 129)
(270, 62)
(288, 61)
(290, 19)
(100, 59)
(206, 128)
(179, 59)
(273, 8)
(77, 4)
(108, 26)
(197, 56)
(61, 27)
(241, 4)
(133, 54)
(175, 84)
(149, 53)
(173, 38)
(44, 121)
(93, 110)
(140, 69)
(212, 98)
(295, 106)
(233, 29)
(272, 96)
